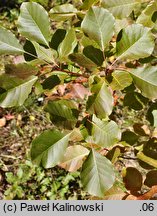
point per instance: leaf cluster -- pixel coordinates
(101, 54)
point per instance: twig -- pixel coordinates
(65, 71)
(128, 158)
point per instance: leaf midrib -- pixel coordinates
(22, 84)
(76, 158)
(96, 167)
(101, 34)
(132, 45)
(21, 50)
(147, 81)
(47, 149)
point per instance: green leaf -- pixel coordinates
(51, 82)
(145, 78)
(129, 137)
(9, 43)
(134, 42)
(145, 17)
(135, 100)
(33, 23)
(146, 159)
(120, 9)
(48, 148)
(82, 60)
(87, 4)
(7, 82)
(63, 112)
(68, 44)
(17, 91)
(105, 133)
(152, 114)
(121, 79)
(94, 54)
(122, 24)
(22, 70)
(57, 38)
(98, 24)
(97, 175)
(44, 54)
(30, 52)
(63, 12)
(62, 108)
(86, 41)
(101, 102)
(73, 158)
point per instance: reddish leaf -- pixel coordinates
(76, 91)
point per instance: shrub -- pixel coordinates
(95, 60)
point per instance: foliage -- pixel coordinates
(102, 55)
(32, 182)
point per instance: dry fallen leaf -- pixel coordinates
(2, 122)
(146, 196)
(18, 59)
(9, 117)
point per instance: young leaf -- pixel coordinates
(68, 44)
(9, 43)
(73, 158)
(120, 8)
(146, 80)
(17, 93)
(101, 102)
(134, 42)
(105, 133)
(33, 23)
(98, 24)
(48, 148)
(97, 175)
(121, 79)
